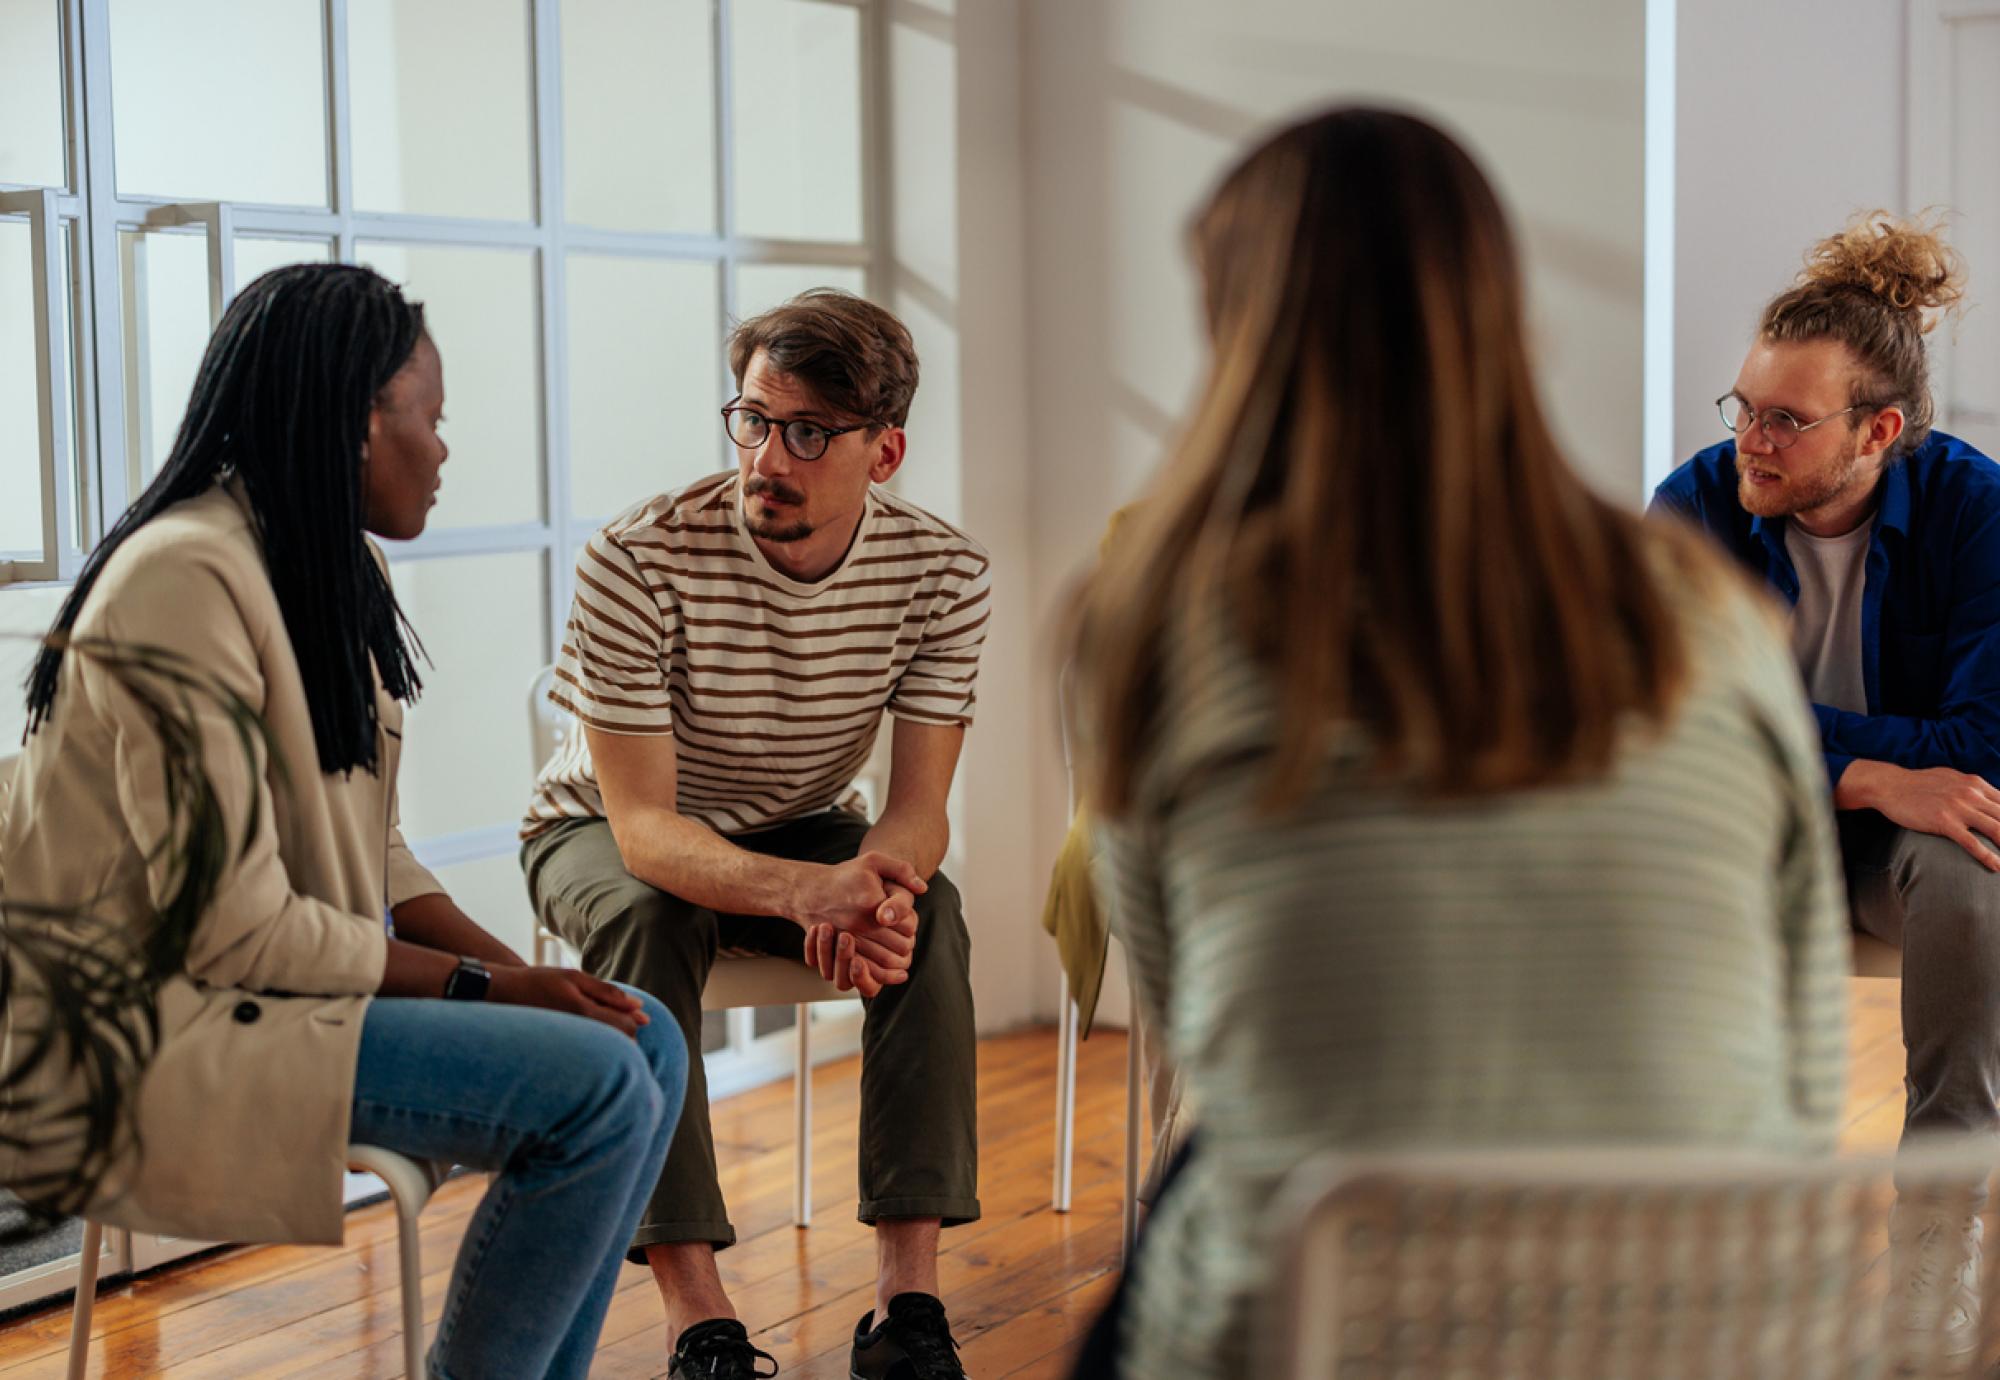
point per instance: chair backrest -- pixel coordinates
(1601, 1265)
(548, 726)
(9, 759)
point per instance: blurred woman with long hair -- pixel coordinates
(1445, 803)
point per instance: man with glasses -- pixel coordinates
(729, 655)
(1883, 537)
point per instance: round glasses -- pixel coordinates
(1781, 428)
(748, 428)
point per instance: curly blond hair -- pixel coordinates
(1878, 287)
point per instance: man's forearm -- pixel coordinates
(690, 860)
(918, 837)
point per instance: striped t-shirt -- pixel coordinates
(772, 688)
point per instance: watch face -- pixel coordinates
(468, 981)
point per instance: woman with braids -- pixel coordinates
(1882, 535)
(299, 1021)
(1446, 805)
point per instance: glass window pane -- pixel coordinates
(220, 99)
(167, 325)
(465, 745)
(645, 374)
(21, 437)
(31, 93)
(20, 443)
(25, 614)
(760, 287)
(768, 1020)
(639, 114)
(480, 307)
(442, 121)
(796, 71)
(256, 256)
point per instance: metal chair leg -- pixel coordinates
(409, 1247)
(1068, 1019)
(1133, 1039)
(802, 1100)
(86, 1298)
(410, 1184)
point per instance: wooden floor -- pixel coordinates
(1022, 1284)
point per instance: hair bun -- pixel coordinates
(1906, 263)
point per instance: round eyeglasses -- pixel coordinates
(748, 428)
(1781, 428)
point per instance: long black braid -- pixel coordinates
(282, 402)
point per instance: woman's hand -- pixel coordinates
(566, 989)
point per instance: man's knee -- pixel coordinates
(941, 932)
(650, 940)
(1942, 884)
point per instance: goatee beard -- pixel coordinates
(782, 533)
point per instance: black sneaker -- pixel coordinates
(913, 1343)
(718, 1349)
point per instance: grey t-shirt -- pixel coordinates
(1826, 624)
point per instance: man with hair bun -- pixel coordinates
(1884, 537)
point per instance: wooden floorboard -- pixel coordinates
(1023, 1283)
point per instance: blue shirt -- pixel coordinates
(1930, 602)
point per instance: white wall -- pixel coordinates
(1135, 106)
(1791, 118)
(955, 88)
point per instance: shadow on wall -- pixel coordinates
(1134, 107)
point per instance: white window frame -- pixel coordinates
(1932, 28)
(89, 478)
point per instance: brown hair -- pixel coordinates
(857, 358)
(1877, 287)
(1368, 491)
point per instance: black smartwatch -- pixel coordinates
(468, 981)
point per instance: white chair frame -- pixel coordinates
(1069, 1021)
(735, 981)
(1601, 1264)
(411, 1184)
(1875, 959)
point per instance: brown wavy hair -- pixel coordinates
(1368, 490)
(1878, 287)
(857, 358)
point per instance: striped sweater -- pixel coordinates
(772, 688)
(1656, 957)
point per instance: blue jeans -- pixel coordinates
(575, 1119)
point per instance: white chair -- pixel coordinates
(1600, 1265)
(737, 980)
(1875, 959)
(1069, 1020)
(411, 1184)
(410, 1187)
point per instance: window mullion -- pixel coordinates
(725, 183)
(546, 51)
(51, 347)
(876, 191)
(80, 530)
(97, 261)
(339, 132)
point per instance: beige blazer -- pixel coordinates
(243, 1114)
